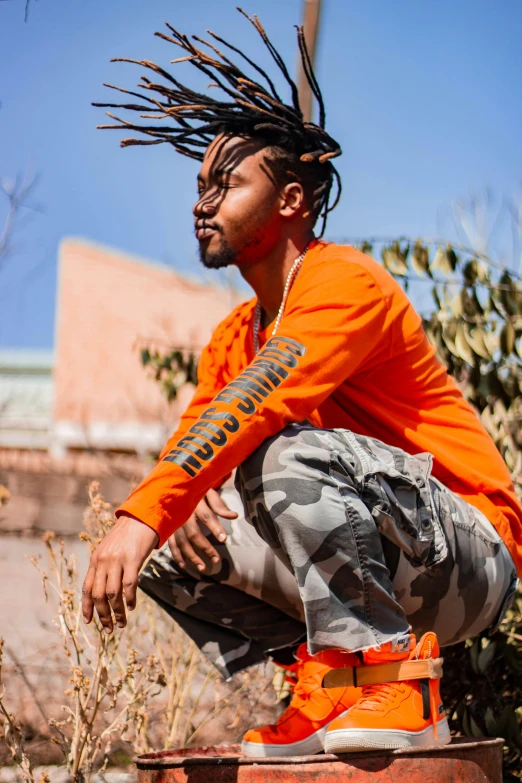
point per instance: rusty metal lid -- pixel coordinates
(231, 755)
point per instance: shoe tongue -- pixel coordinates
(336, 659)
(428, 646)
(397, 650)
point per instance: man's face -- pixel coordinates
(237, 218)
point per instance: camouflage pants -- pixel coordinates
(351, 543)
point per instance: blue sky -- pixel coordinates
(424, 97)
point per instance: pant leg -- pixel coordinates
(238, 611)
(453, 573)
(375, 543)
(299, 491)
(454, 578)
(471, 588)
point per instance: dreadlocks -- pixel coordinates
(300, 150)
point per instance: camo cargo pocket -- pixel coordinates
(396, 489)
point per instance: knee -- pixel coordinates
(265, 458)
(294, 447)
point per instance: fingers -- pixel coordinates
(130, 587)
(218, 505)
(189, 544)
(174, 549)
(193, 544)
(114, 593)
(87, 602)
(113, 572)
(187, 552)
(100, 599)
(104, 590)
(207, 516)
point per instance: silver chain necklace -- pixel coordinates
(289, 280)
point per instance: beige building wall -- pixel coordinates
(110, 306)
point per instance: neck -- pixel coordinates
(268, 276)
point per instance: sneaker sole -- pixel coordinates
(306, 747)
(354, 740)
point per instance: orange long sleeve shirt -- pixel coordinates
(350, 352)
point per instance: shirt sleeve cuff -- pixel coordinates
(157, 522)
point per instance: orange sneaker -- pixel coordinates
(393, 714)
(300, 730)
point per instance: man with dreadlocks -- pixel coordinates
(376, 508)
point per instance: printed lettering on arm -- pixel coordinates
(269, 369)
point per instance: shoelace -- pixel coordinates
(376, 695)
(303, 690)
(373, 696)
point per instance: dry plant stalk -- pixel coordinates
(147, 686)
(13, 736)
(107, 691)
(4, 495)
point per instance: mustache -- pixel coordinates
(203, 224)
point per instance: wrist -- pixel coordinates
(141, 527)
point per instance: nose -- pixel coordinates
(204, 206)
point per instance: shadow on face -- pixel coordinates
(237, 215)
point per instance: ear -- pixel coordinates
(292, 200)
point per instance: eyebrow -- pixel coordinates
(221, 171)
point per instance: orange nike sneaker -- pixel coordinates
(394, 713)
(300, 730)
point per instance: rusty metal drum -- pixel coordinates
(462, 761)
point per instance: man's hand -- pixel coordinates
(114, 569)
(189, 543)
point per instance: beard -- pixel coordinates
(217, 259)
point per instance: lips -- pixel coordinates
(204, 231)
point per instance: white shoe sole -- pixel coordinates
(354, 740)
(306, 747)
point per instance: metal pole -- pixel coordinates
(311, 19)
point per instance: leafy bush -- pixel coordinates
(481, 688)
(476, 328)
(171, 370)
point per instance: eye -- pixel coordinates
(225, 182)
